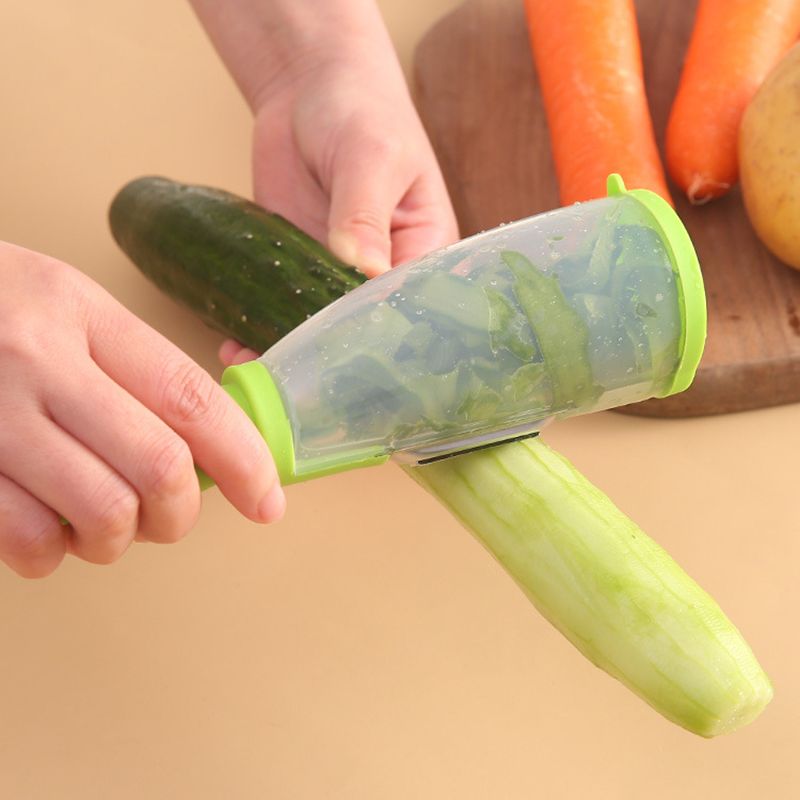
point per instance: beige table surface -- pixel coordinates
(366, 647)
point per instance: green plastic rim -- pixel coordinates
(691, 294)
(253, 389)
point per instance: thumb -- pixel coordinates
(364, 195)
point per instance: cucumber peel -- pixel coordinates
(562, 334)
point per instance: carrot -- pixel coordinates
(589, 63)
(734, 45)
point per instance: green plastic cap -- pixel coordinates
(253, 389)
(692, 296)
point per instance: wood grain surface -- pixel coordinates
(477, 92)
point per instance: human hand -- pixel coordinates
(102, 421)
(339, 150)
(338, 147)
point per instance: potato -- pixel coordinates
(769, 159)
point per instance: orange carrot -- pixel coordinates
(589, 63)
(734, 45)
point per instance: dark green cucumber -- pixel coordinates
(244, 271)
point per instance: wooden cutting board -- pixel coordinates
(477, 92)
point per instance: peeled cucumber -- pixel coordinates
(609, 588)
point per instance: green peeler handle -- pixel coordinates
(254, 391)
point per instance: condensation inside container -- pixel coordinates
(571, 311)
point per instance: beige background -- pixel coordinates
(366, 647)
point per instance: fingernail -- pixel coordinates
(272, 505)
(372, 263)
(367, 259)
(344, 245)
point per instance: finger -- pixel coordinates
(222, 439)
(32, 540)
(366, 187)
(137, 444)
(243, 356)
(424, 221)
(282, 181)
(228, 350)
(63, 475)
(231, 352)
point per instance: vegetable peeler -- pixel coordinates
(580, 309)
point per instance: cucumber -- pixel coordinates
(244, 271)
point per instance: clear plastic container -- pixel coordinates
(572, 311)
